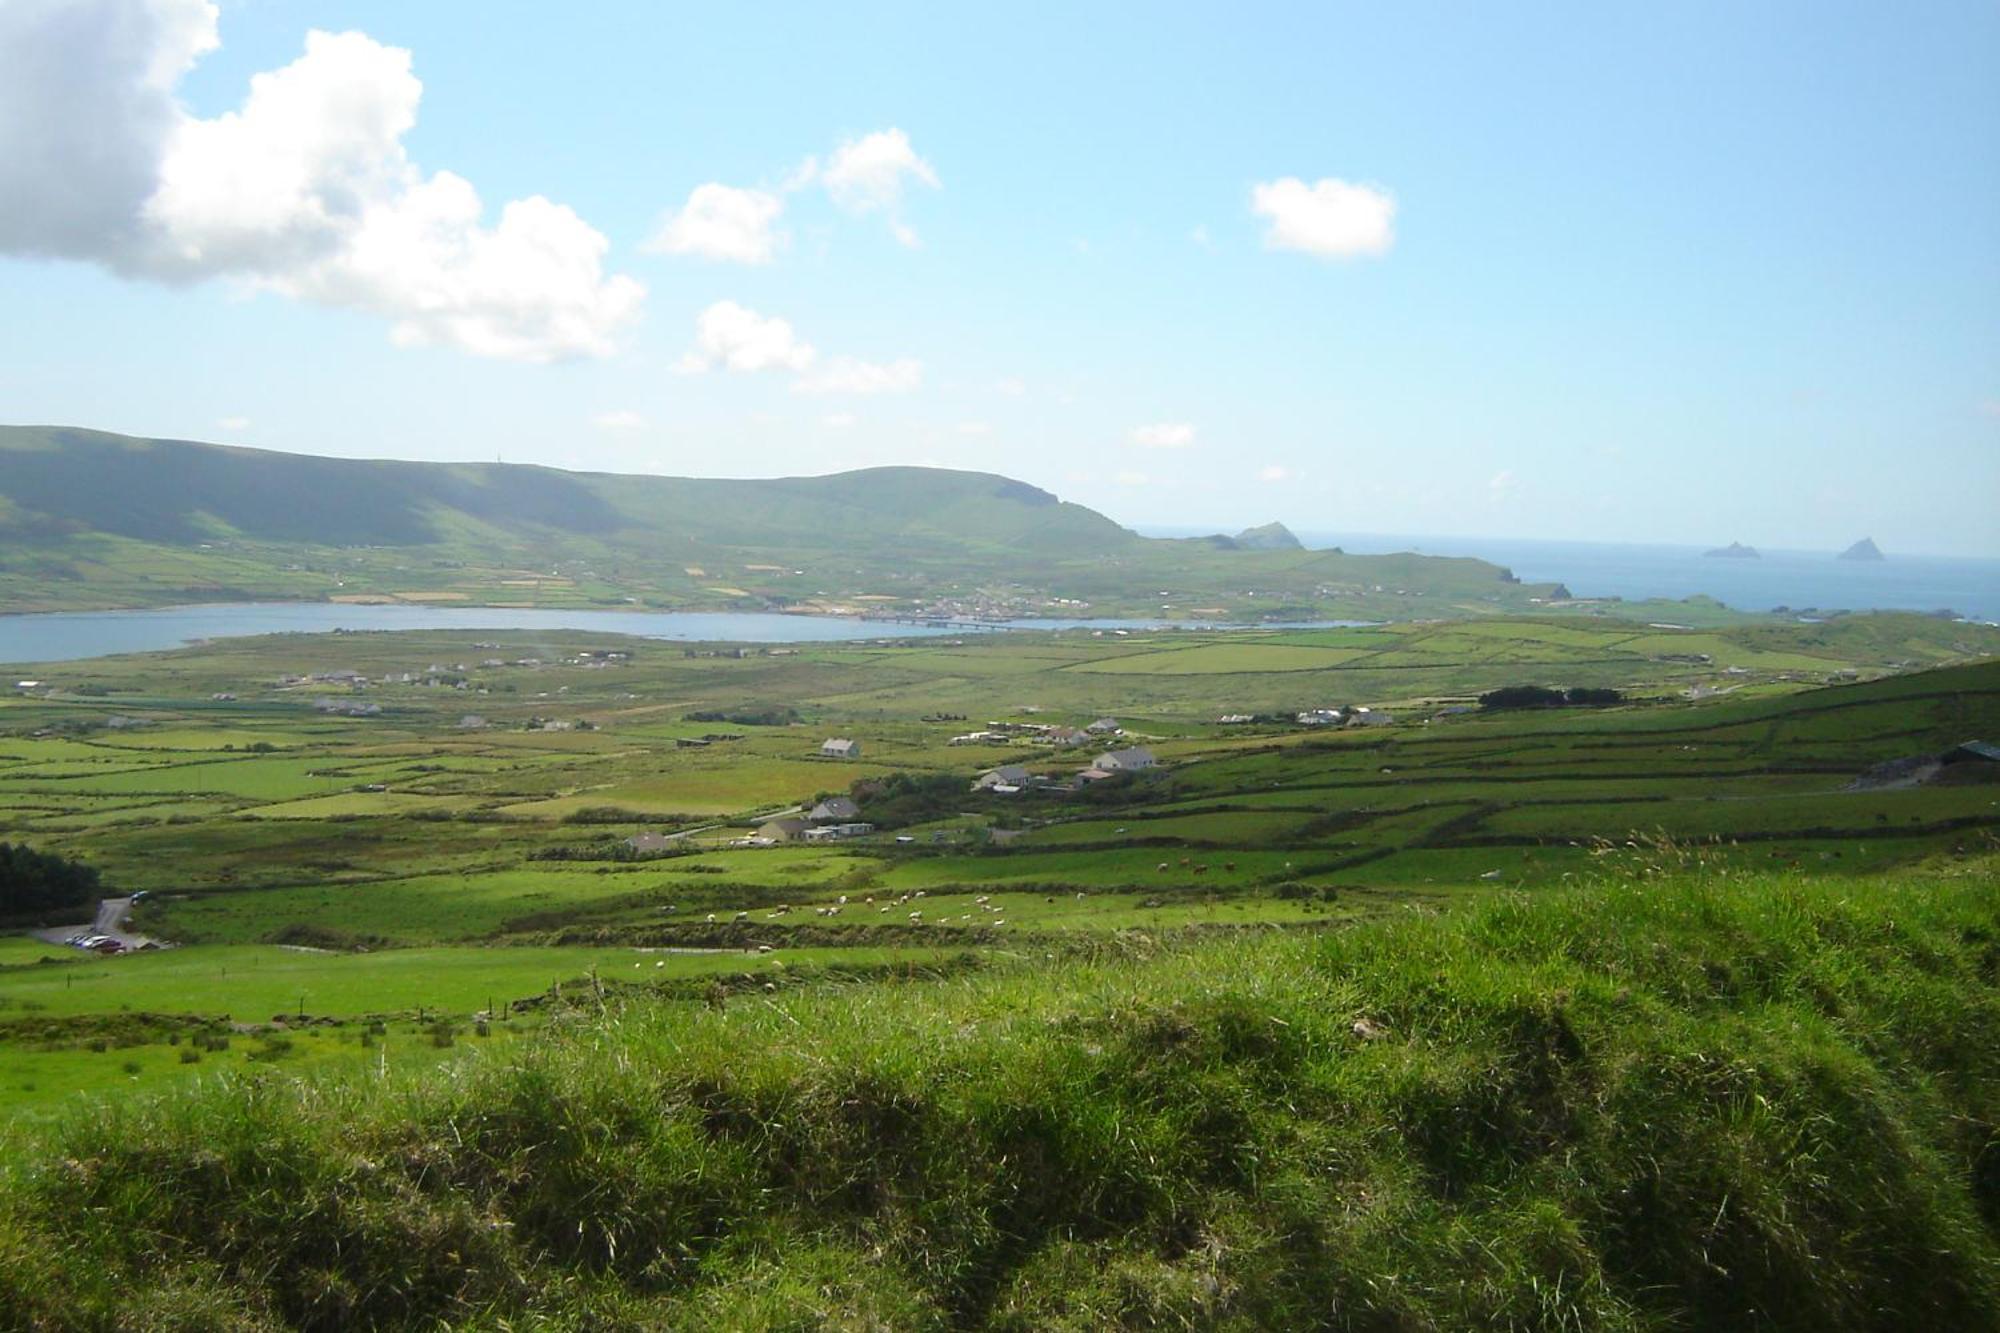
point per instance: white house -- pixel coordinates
(1007, 775)
(1125, 761)
(841, 748)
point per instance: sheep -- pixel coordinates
(916, 916)
(1229, 865)
(984, 898)
(742, 916)
(711, 918)
(1163, 868)
(842, 900)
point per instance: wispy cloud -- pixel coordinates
(1164, 435)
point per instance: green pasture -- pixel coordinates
(254, 983)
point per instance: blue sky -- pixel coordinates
(1692, 273)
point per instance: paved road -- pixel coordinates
(110, 921)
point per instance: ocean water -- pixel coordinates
(1798, 580)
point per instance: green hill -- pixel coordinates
(89, 519)
(1687, 1103)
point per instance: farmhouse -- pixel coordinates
(1369, 717)
(832, 810)
(1007, 778)
(1104, 726)
(1321, 717)
(645, 843)
(788, 829)
(1067, 737)
(1125, 761)
(841, 748)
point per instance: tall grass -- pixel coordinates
(1684, 1103)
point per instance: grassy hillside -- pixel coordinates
(89, 519)
(1685, 1103)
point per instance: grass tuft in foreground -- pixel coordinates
(1685, 1104)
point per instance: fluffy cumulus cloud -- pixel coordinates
(867, 175)
(725, 223)
(1164, 435)
(305, 190)
(728, 336)
(1333, 219)
(739, 225)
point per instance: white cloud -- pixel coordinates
(1276, 473)
(305, 190)
(867, 175)
(1131, 478)
(846, 374)
(722, 222)
(1500, 487)
(620, 420)
(838, 420)
(1333, 219)
(1012, 386)
(733, 337)
(729, 336)
(1164, 435)
(234, 423)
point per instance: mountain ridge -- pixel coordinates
(91, 519)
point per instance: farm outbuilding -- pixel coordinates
(840, 748)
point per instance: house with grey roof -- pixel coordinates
(841, 748)
(833, 810)
(1125, 761)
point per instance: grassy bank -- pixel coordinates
(1754, 1102)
